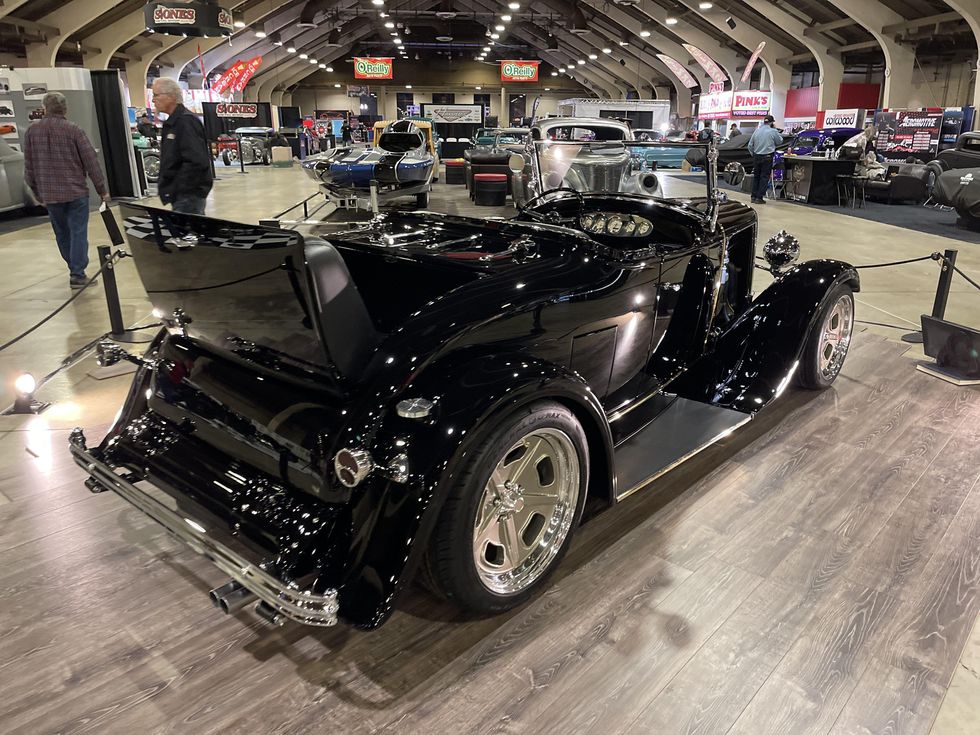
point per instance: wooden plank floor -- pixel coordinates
(818, 572)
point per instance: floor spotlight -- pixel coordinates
(25, 402)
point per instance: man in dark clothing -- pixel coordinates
(146, 128)
(58, 157)
(706, 133)
(185, 159)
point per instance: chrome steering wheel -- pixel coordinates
(552, 218)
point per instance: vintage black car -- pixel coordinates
(326, 418)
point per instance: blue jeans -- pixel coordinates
(69, 220)
(189, 204)
(761, 171)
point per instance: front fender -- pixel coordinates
(393, 521)
(753, 361)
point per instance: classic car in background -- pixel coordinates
(581, 129)
(14, 192)
(255, 146)
(966, 154)
(484, 136)
(807, 142)
(403, 163)
(322, 439)
(733, 150)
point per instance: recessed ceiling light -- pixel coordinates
(304, 56)
(514, 6)
(571, 64)
(593, 56)
(671, 21)
(505, 18)
(408, 86)
(624, 43)
(581, 62)
(705, 6)
(607, 50)
(389, 24)
(554, 74)
(313, 61)
(486, 49)
(290, 49)
(239, 24)
(329, 68)
(547, 89)
(495, 36)
(336, 86)
(377, 2)
(323, 66)
(645, 33)
(260, 34)
(561, 69)
(478, 87)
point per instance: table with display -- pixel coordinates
(814, 179)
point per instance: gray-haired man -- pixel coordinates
(57, 158)
(185, 159)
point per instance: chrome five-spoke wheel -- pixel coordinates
(526, 510)
(835, 337)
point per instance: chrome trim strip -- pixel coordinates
(643, 483)
(295, 604)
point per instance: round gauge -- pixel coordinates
(615, 224)
(598, 224)
(587, 221)
(643, 226)
(630, 227)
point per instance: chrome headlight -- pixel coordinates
(780, 250)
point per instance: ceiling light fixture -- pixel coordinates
(554, 74)
(644, 33)
(607, 50)
(494, 36)
(408, 86)
(514, 6)
(705, 6)
(505, 18)
(389, 24)
(323, 66)
(239, 24)
(547, 89)
(260, 34)
(478, 88)
(671, 20)
(561, 69)
(593, 56)
(304, 56)
(581, 62)
(377, 2)
(336, 86)
(291, 49)
(313, 61)
(330, 68)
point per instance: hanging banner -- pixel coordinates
(187, 18)
(373, 67)
(715, 106)
(236, 76)
(707, 63)
(751, 103)
(752, 59)
(678, 70)
(519, 71)
(453, 113)
(358, 90)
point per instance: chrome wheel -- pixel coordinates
(526, 511)
(835, 337)
(151, 166)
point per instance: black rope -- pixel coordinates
(112, 259)
(897, 262)
(968, 279)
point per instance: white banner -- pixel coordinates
(715, 106)
(751, 103)
(843, 118)
(453, 113)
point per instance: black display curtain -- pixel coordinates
(215, 126)
(114, 132)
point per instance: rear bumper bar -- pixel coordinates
(294, 603)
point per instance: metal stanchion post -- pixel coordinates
(117, 326)
(241, 161)
(942, 293)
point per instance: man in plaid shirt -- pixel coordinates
(58, 157)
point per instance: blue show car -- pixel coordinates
(808, 142)
(670, 155)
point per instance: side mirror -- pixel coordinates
(734, 173)
(780, 250)
(516, 163)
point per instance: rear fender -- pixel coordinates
(754, 360)
(394, 521)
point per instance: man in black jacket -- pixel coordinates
(185, 159)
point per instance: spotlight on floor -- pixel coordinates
(25, 402)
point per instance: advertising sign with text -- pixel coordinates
(751, 103)
(373, 67)
(519, 71)
(715, 106)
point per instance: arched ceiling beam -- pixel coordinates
(67, 19)
(899, 59)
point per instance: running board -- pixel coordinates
(678, 432)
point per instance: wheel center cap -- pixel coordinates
(511, 497)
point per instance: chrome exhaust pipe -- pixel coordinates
(230, 597)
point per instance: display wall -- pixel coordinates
(220, 117)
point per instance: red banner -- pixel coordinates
(373, 67)
(237, 76)
(519, 71)
(678, 70)
(752, 59)
(707, 63)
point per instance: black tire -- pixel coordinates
(451, 567)
(815, 373)
(225, 158)
(422, 200)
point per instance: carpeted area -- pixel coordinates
(926, 220)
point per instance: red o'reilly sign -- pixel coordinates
(236, 109)
(519, 71)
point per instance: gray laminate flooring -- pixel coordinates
(818, 572)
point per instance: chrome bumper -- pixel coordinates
(295, 604)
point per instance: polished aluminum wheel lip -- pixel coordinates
(504, 498)
(835, 337)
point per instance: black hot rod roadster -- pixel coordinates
(440, 393)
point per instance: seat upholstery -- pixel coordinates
(911, 183)
(343, 321)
